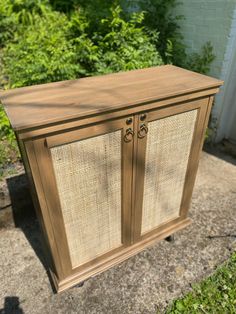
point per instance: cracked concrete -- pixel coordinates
(146, 282)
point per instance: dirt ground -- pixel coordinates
(146, 282)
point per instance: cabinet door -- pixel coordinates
(86, 177)
(168, 146)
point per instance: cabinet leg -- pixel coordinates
(79, 285)
(170, 238)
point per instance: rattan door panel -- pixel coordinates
(88, 178)
(168, 141)
(167, 153)
(89, 174)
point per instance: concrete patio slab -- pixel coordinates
(143, 284)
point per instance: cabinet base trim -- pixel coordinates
(127, 252)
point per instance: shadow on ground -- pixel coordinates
(144, 283)
(224, 150)
(11, 306)
(20, 213)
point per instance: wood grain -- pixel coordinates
(141, 155)
(117, 257)
(40, 204)
(71, 124)
(199, 134)
(54, 219)
(56, 102)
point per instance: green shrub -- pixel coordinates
(8, 22)
(51, 40)
(159, 17)
(9, 152)
(201, 62)
(17, 14)
(124, 45)
(43, 53)
(5, 130)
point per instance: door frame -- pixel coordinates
(51, 206)
(203, 106)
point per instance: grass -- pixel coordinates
(214, 295)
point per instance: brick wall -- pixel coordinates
(215, 21)
(207, 20)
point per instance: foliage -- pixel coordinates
(17, 14)
(201, 62)
(8, 148)
(50, 40)
(8, 22)
(217, 294)
(41, 55)
(5, 130)
(159, 17)
(124, 45)
(94, 36)
(170, 45)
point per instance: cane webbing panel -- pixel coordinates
(88, 176)
(168, 148)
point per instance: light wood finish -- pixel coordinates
(199, 135)
(40, 204)
(45, 163)
(82, 133)
(141, 152)
(139, 179)
(120, 256)
(84, 121)
(60, 101)
(52, 117)
(53, 204)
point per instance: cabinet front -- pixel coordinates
(103, 188)
(86, 177)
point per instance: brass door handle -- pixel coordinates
(142, 130)
(129, 134)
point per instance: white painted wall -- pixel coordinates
(215, 21)
(224, 111)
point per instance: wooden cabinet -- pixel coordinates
(111, 161)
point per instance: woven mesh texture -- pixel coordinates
(168, 147)
(88, 175)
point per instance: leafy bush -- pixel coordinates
(8, 148)
(5, 130)
(17, 14)
(124, 45)
(8, 22)
(201, 62)
(42, 54)
(51, 40)
(159, 17)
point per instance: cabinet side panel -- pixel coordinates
(40, 205)
(88, 176)
(168, 148)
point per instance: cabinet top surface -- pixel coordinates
(40, 105)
